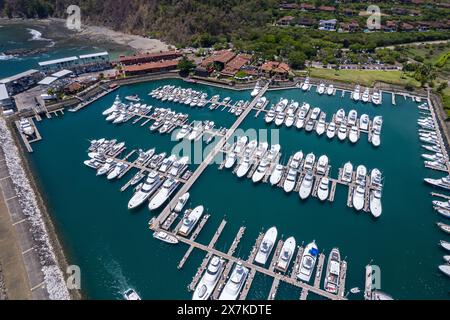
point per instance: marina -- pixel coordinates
(217, 236)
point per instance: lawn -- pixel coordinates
(364, 77)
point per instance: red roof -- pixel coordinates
(151, 66)
(275, 66)
(327, 8)
(223, 56)
(150, 56)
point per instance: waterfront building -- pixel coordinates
(56, 65)
(21, 81)
(5, 99)
(236, 64)
(149, 57)
(151, 67)
(78, 64)
(275, 69)
(218, 59)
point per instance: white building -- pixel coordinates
(328, 25)
(78, 64)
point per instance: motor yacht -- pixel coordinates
(260, 171)
(296, 160)
(130, 294)
(347, 172)
(331, 130)
(340, 116)
(320, 128)
(26, 127)
(166, 163)
(353, 134)
(310, 159)
(230, 160)
(321, 88)
(375, 203)
(179, 166)
(315, 113)
(323, 190)
(118, 169)
(330, 90)
(333, 272)
(168, 187)
(183, 132)
(276, 175)
(165, 237)
(308, 262)
(352, 117)
(266, 246)
(291, 178)
(190, 221)
(181, 202)
(290, 120)
(109, 164)
(376, 98)
(364, 122)
(279, 119)
(244, 166)
(306, 85)
(357, 93)
(256, 90)
(358, 197)
(235, 283)
(322, 164)
(286, 254)
(270, 116)
(306, 186)
(209, 280)
(366, 95)
(443, 182)
(152, 183)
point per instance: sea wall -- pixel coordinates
(53, 276)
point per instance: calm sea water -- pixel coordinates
(115, 250)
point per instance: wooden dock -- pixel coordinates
(193, 237)
(319, 271)
(343, 277)
(273, 289)
(247, 285)
(236, 241)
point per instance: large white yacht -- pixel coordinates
(270, 116)
(148, 188)
(352, 117)
(358, 197)
(306, 186)
(114, 106)
(323, 191)
(357, 93)
(347, 172)
(276, 175)
(109, 164)
(190, 221)
(182, 202)
(291, 178)
(322, 164)
(353, 135)
(118, 169)
(235, 283)
(310, 159)
(163, 194)
(178, 166)
(376, 98)
(183, 132)
(342, 132)
(240, 145)
(366, 95)
(308, 262)
(340, 116)
(230, 159)
(261, 170)
(165, 237)
(375, 203)
(266, 246)
(279, 118)
(331, 130)
(333, 271)
(26, 127)
(320, 128)
(306, 85)
(167, 162)
(243, 168)
(256, 90)
(443, 182)
(209, 280)
(364, 122)
(286, 254)
(321, 88)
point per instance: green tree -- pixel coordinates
(297, 60)
(185, 66)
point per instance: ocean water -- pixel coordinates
(115, 250)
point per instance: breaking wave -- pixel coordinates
(37, 36)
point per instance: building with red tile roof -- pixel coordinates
(150, 67)
(149, 57)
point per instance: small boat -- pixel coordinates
(380, 295)
(445, 245)
(330, 90)
(243, 168)
(306, 186)
(286, 254)
(340, 116)
(342, 132)
(445, 268)
(276, 175)
(308, 262)
(352, 117)
(315, 113)
(230, 159)
(130, 294)
(306, 85)
(270, 116)
(182, 202)
(443, 212)
(323, 191)
(26, 127)
(364, 122)
(366, 95)
(320, 128)
(266, 246)
(444, 227)
(235, 283)
(333, 271)
(375, 203)
(347, 172)
(309, 125)
(190, 221)
(355, 290)
(322, 164)
(321, 88)
(376, 98)
(376, 139)
(133, 98)
(165, 237)
(353, 134)
(256, 90)
(331, 130)
(210, 279)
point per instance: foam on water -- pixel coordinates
(37, 36)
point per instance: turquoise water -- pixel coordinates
(115, 250)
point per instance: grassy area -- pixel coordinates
(446, 99)
(365, 77)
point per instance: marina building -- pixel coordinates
(5, 99)
(236, 64)
(78, 64)
(278, 70)
(22, 81)
(149, 57)
(151, 67)
(218, 59)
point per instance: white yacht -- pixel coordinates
(375, 203)
(256, 90)
(251, 148)
(270, 116)
(376, 98)
(310, 159)
(340, 116)
(357, 93)
(376, 139)
(364, 122)
(230, 159)
(261, 170)
(286, 254)
(323, 191)
(330, 90)
(358, 197)
(320, 128)
(276, 175)
(306, 85)
(290, 120)
(353, 135)
(306, 186)
(165, 237)
(235, 283)
(322, 164)
(296, 160)
(166, 163)
(321, 88)
(445, 245)
(118, 169)
(210, 279)
(300, 123)
(279, 119)
(291, 178)
(347, 172)
(190, 221)
(178, 166)
(445, 268)
(112, 116)
(366, 96)
(240, 145)
(26, 127)
(352, 117)
(281, 105)
(152, 183)
(444, 227)
(244, 166)
(315, 113)
(196, 132)
(181, 202)
(342, 132)
(183, 132)
(308, 262)
(361, 173)
(109, 163)
(130, 294)
(261, 150)
(114, 106)
(163, 194)
(331, 130)
(266, 246)
(443, 182)
(332, 275)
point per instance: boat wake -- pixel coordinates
(120, 282)
(37, 36)
(7, 57)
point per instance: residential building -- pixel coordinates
(285, 21)
(275, 69)
(327, 25)
(236, 64)
(149, 57)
